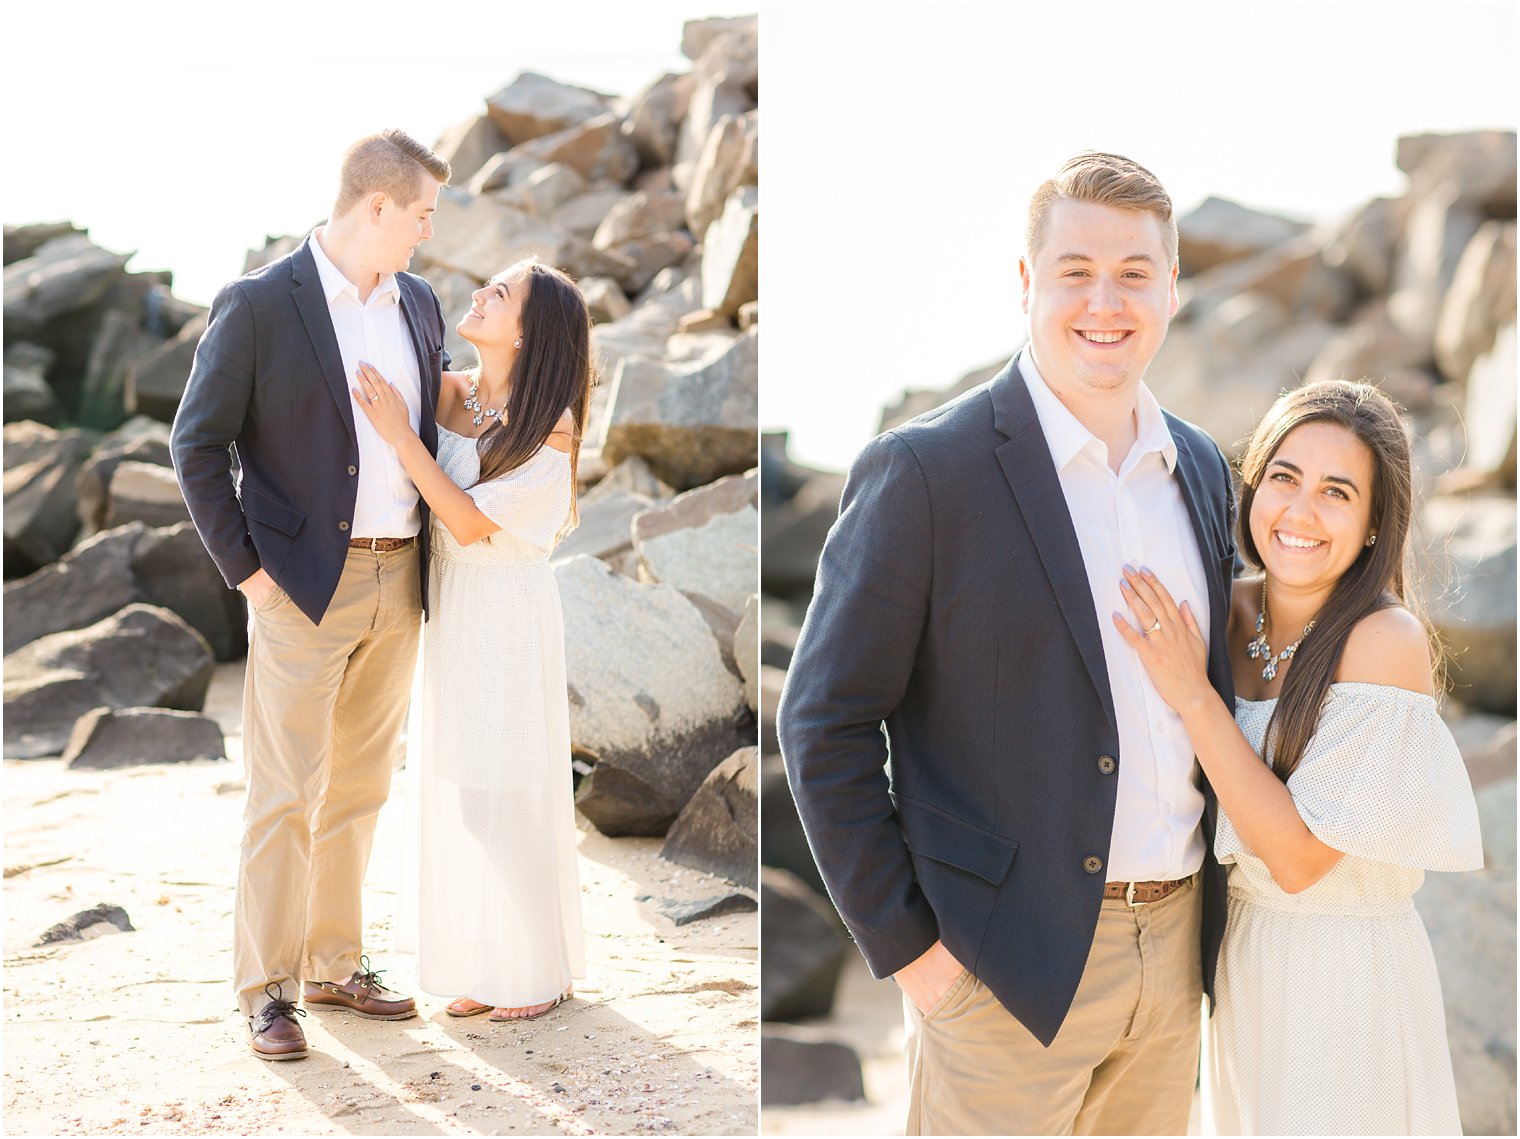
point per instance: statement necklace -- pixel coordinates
(1259, 649)
(473, 404)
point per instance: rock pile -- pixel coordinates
(1416, 293)
(652, 204)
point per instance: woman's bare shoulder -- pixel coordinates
(1389, 647)
(563, 435)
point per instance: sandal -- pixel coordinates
(545, 1011)
(453, 1007)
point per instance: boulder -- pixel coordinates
(28, 395)
(640, 215)
(700, 506)
(807, 1071)
(154, 382)
(646, 330)
(1372, 347)
(1480, 163)
(653, 117)
(684, 913)
(540, 192)
(605, 528)
(40, 517)
(915, 401)
(146, 493)
(466, 146)
(1440, 226)
(792, 535)
(780, 625)
(692, 424)
(783, 843)
(772, 682)
(651, 704)
(274, 249)
(1489, 418)
(164, 314)
(805, 949)
(479, 236)
(697, 35)
(605, 300)
(142, 656)
(120, 342)
(126, 737)
(88, 924)
(1480, 302)
(731, 254)
(646, 256)
(1217, 231)
(168, 567)
(729, 158)
(704, 320)
(716, 830)
(582, 214)
(140, 440)
(747, 650)
(632, 474)
(63, 275)
(533, 105)
(1364, 245)
(724, 81)
(749, 315)
(1475, 614)
(595, 148)
(1294, 274)
(717, 558)
(22, 241)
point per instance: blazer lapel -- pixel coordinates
(311, 303)
(1211, 547)
(1031, 474)
(411, 309)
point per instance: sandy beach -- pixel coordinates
(138, 1033)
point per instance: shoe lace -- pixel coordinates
(367, 977)
(277, 1006)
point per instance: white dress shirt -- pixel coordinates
(375, 332)
(1137, 517)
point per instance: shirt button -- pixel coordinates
(1107, 764)
(353, 470)
(342, 525)
(1092, 864)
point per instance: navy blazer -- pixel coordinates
(268, 385)
(952, 610)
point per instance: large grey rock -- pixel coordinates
(717, 559)
(724, 81)
(22, 241)
(88, 924)
(121, 341)
(640, 215)
(1480, 302)
(697, 35)
(582, 215)
(651, 702)
(1364, 245)
(646, 330)
(1440, 226)
(146, 493)
(40, 518)
(747, 650)
(168, 567)
(605, 299)
(804, 949)
(533, 105)
(729, 158)
(540, 193)
(468, 145)
(1489, 419)
(653, 117)
(65, 274)
(647, 256)
(1372, 347)
(141, 440)
(1218, 230)
(479, 236)
(807, 1071)
(731, 254)
(1481, 163)
(692, 425)
(632, 474)
(154, 382)
(141, 656)
(1475, 613)
(126, 737)
(792, 535)
(606, 525)
(783, 843)
(700, 506)
(1294, 274)
(28, 395)
(596, 148)
(915, 401)
(716, 831)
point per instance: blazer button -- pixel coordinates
(353, 470)
(342, 525)
(1092, 864)
(1107, 764)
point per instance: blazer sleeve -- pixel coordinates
(209, 418)
(852, 665)
(448, 361)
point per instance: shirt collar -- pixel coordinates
(334, 282)
(1066, 436)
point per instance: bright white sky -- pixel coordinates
(902, 143)
(189, 131)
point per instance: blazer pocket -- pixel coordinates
(271, 512)
(931, 833)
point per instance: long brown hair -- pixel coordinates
(1376, 580)
(552, 372)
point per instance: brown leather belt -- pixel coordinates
(380, 545)
(1137, 892)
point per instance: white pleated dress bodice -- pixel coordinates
(1328, 1017)
(498, 898)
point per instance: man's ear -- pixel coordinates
(373, 206)
(1173, 303)
(1024, 283)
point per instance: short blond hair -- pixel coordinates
(1107, 179)
(390, 161)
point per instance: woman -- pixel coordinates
(1329, 1016)
(498, 898)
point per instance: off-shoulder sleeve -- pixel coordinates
(1382, 779)
(530, 502)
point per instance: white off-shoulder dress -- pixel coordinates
(498, 898)
(1329, 1018)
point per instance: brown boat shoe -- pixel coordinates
(275, 1033)
(363, 995)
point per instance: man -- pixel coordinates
(1035, 873)
(321, 532)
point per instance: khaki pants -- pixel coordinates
(1124, 1063)
(323, 707)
